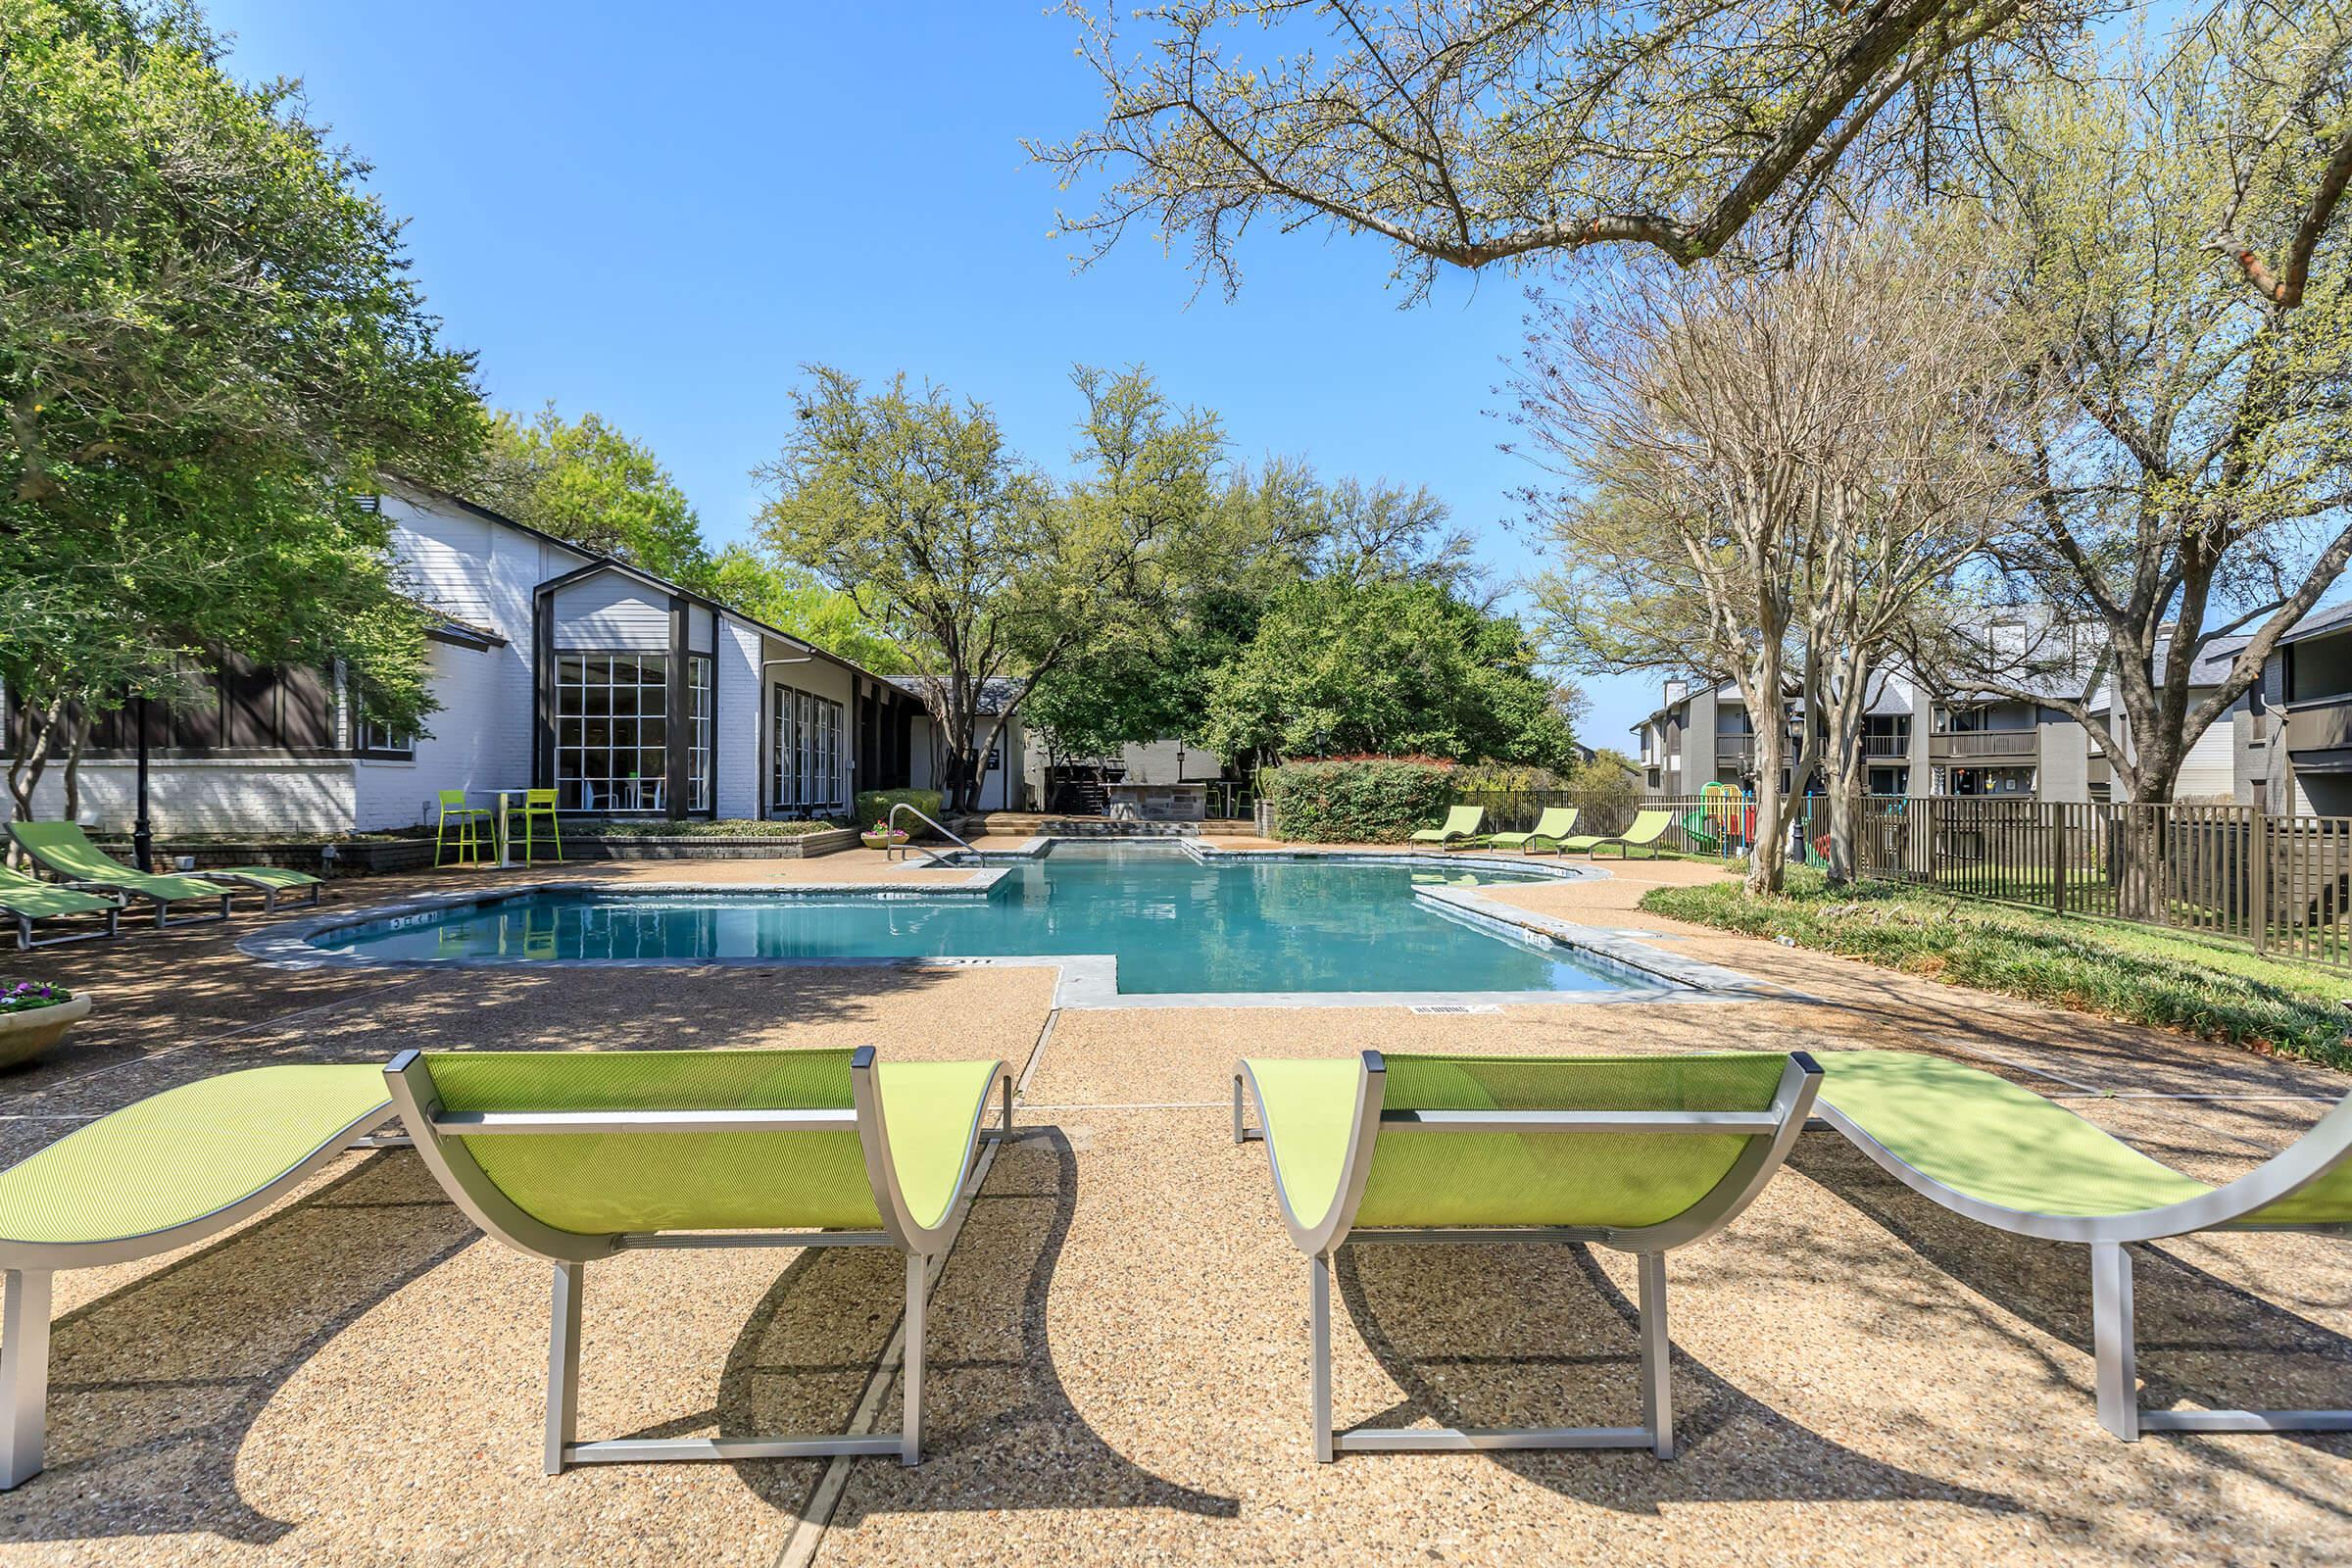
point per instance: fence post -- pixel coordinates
(2058, 816)
(2258, 875)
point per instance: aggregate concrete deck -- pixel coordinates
(1119, 1338)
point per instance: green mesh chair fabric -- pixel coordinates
(265, 876)
(1647, 828)
(929, 1110)
(1555, 825)
(597, 1184)
(1461, 821)
(24, 895)
(1615, 1180)
(2324, 1201)
(610, 1183)
(1992, 1141)
(1434, 1179)
(177, 1157)
(63, 848)
(1308, 1107)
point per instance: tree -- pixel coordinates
(209, 345)
(1150, 678)
(1480, 135)
(589, 483)
(793, 600)
(2196, 463)
(1388, 666)
(1769, 475)
(973, 563)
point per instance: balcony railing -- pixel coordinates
(1986, 745)
(1879, 746)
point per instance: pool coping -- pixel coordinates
(1088, 981)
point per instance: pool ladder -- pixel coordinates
(892, 850)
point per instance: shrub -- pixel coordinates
(1375, 800)
(872, 806)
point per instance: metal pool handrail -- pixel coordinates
(891, 849)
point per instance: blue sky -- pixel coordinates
(663, 222)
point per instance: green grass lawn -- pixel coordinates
(2208, 989)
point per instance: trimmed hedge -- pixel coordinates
(1379, 801)
(872, 806)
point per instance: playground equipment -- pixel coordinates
(1725, 819)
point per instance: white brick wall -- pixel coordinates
(740, 748)
(206, 795)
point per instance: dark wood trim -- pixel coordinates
(681, 719)
(543, 688)
(717, 623)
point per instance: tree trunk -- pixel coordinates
(1768, 854)
(79, 737)
(25, 768)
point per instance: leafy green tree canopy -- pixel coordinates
(209, 345)
(1388, 666)
(589, 481)
(974, 564)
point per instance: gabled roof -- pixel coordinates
(997, 694)
(2318, 623)
(594, 562)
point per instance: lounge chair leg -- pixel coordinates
(1318, 1295)
(1657, 1356)
(2111, 1335)
(24, 933)
(1241, 1128)
(910, 1430)
(23, 1374)
(563, 1364)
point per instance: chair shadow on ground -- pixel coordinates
(1539, 1335)
(2203, 1341)
(995, 1407)
(154, 1387)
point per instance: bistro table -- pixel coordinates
(506, 801)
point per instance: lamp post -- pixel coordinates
(142, 833)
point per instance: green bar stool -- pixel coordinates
(537, 803)
(471, 824)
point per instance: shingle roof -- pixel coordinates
(997, 694)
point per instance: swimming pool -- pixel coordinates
(1170, 922)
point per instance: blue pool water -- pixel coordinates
(1173, 924)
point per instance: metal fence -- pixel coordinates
(2280, 884)
(2283, 885)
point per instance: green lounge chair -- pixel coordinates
(570, 1157)
(155, 1175)
(1641, 1153)
(268, 880)
(2004, 1156)
(25, 899)
(1557, 823)
(1648, 827)
(1461, 826)
(62, 849)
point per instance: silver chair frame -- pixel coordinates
(1771, 1134)
(269, 894)
(26, 1267)
(163, 906)
(438, 1133)
(27, 941)
(2227, 1208)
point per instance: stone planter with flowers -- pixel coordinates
(34, 1017)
